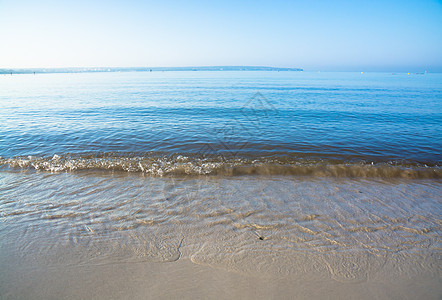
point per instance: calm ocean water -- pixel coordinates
(224, 122)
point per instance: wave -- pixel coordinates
(187, 165)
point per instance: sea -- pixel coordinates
(237, 122)
(257, 172)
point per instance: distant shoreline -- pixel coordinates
(142, 69)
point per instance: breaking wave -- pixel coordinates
(183, 165)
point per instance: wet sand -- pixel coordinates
(100, 236)
(186, 280)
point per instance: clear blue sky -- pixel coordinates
(314, 35)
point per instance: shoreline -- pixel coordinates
(90, 235)
(186, 280)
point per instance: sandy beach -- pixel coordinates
(126, 236)
(184, 279)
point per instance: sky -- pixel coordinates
(400, 36)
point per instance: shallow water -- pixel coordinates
(227, 221)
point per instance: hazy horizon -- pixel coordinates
(338, 36)
(181, 68)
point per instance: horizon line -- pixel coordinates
(31, 70)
